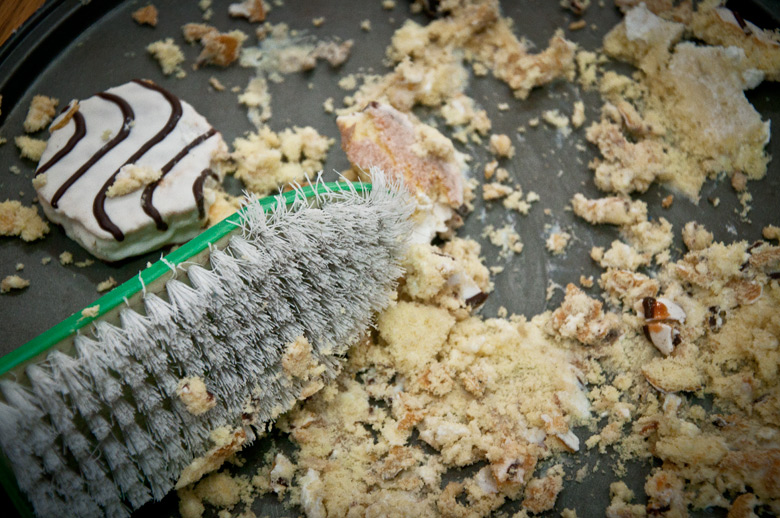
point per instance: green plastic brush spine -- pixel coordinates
(47, 340)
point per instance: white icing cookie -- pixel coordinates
(123, 171)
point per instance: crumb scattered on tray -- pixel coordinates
(146, 15)
(18, 220)
(13, 282)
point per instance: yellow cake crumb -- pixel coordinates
(168, 55)
(18, 220)
(193, 393)
(132, 177)
(40, 113)
(31, 148)
(106, 285)
(13, 282)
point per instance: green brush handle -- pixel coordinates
(44, 342)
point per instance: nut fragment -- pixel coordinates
(659, 314)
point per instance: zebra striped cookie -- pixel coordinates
(124, 170)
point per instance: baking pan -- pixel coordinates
(70, 50)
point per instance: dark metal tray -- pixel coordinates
(72, 49)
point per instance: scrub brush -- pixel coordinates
(93, 420)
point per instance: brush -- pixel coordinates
(94, 418)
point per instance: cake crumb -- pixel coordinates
(328, 106)
(106, 285)
(556, 119)
(40, 113)
(495, 190)
(557, 242)
(13, 282)
(501, 146)
(31, 148)
(695, 236)
(579, 24)
(46, 260)
(365, 26)
(221, 49)
(771, 232)
(132, 177)
(216, 84)
(196, 398)
(586, 282)
(252, 10)
(84, 263)
(505, 238)
(541, 493)
(146, 15)
(388, 5)
(19, 267)
(578, 115)
(66, 258)
(611, 210)
(667, 201)
(18, 220)
(168, 55)
(90, 312)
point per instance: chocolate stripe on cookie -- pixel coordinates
(78, 134)
(197, 189)
(148, 193)
(99, 205)
(127, 119)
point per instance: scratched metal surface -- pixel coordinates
(72, 50)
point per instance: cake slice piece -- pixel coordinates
(124, 171)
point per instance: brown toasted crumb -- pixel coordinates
(18, 220)
(31, 148)
(586, 282)
(63, 119)
(195, 396)
(41, 112)
(667, 201)
(501, 146)
(490, 169)
(579, 24)
(220, 49)
(216, 84)
(771, 232)
(252, 10)
(13, 282)
(106, 285)
(146, 15)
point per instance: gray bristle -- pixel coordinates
(102, 431)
